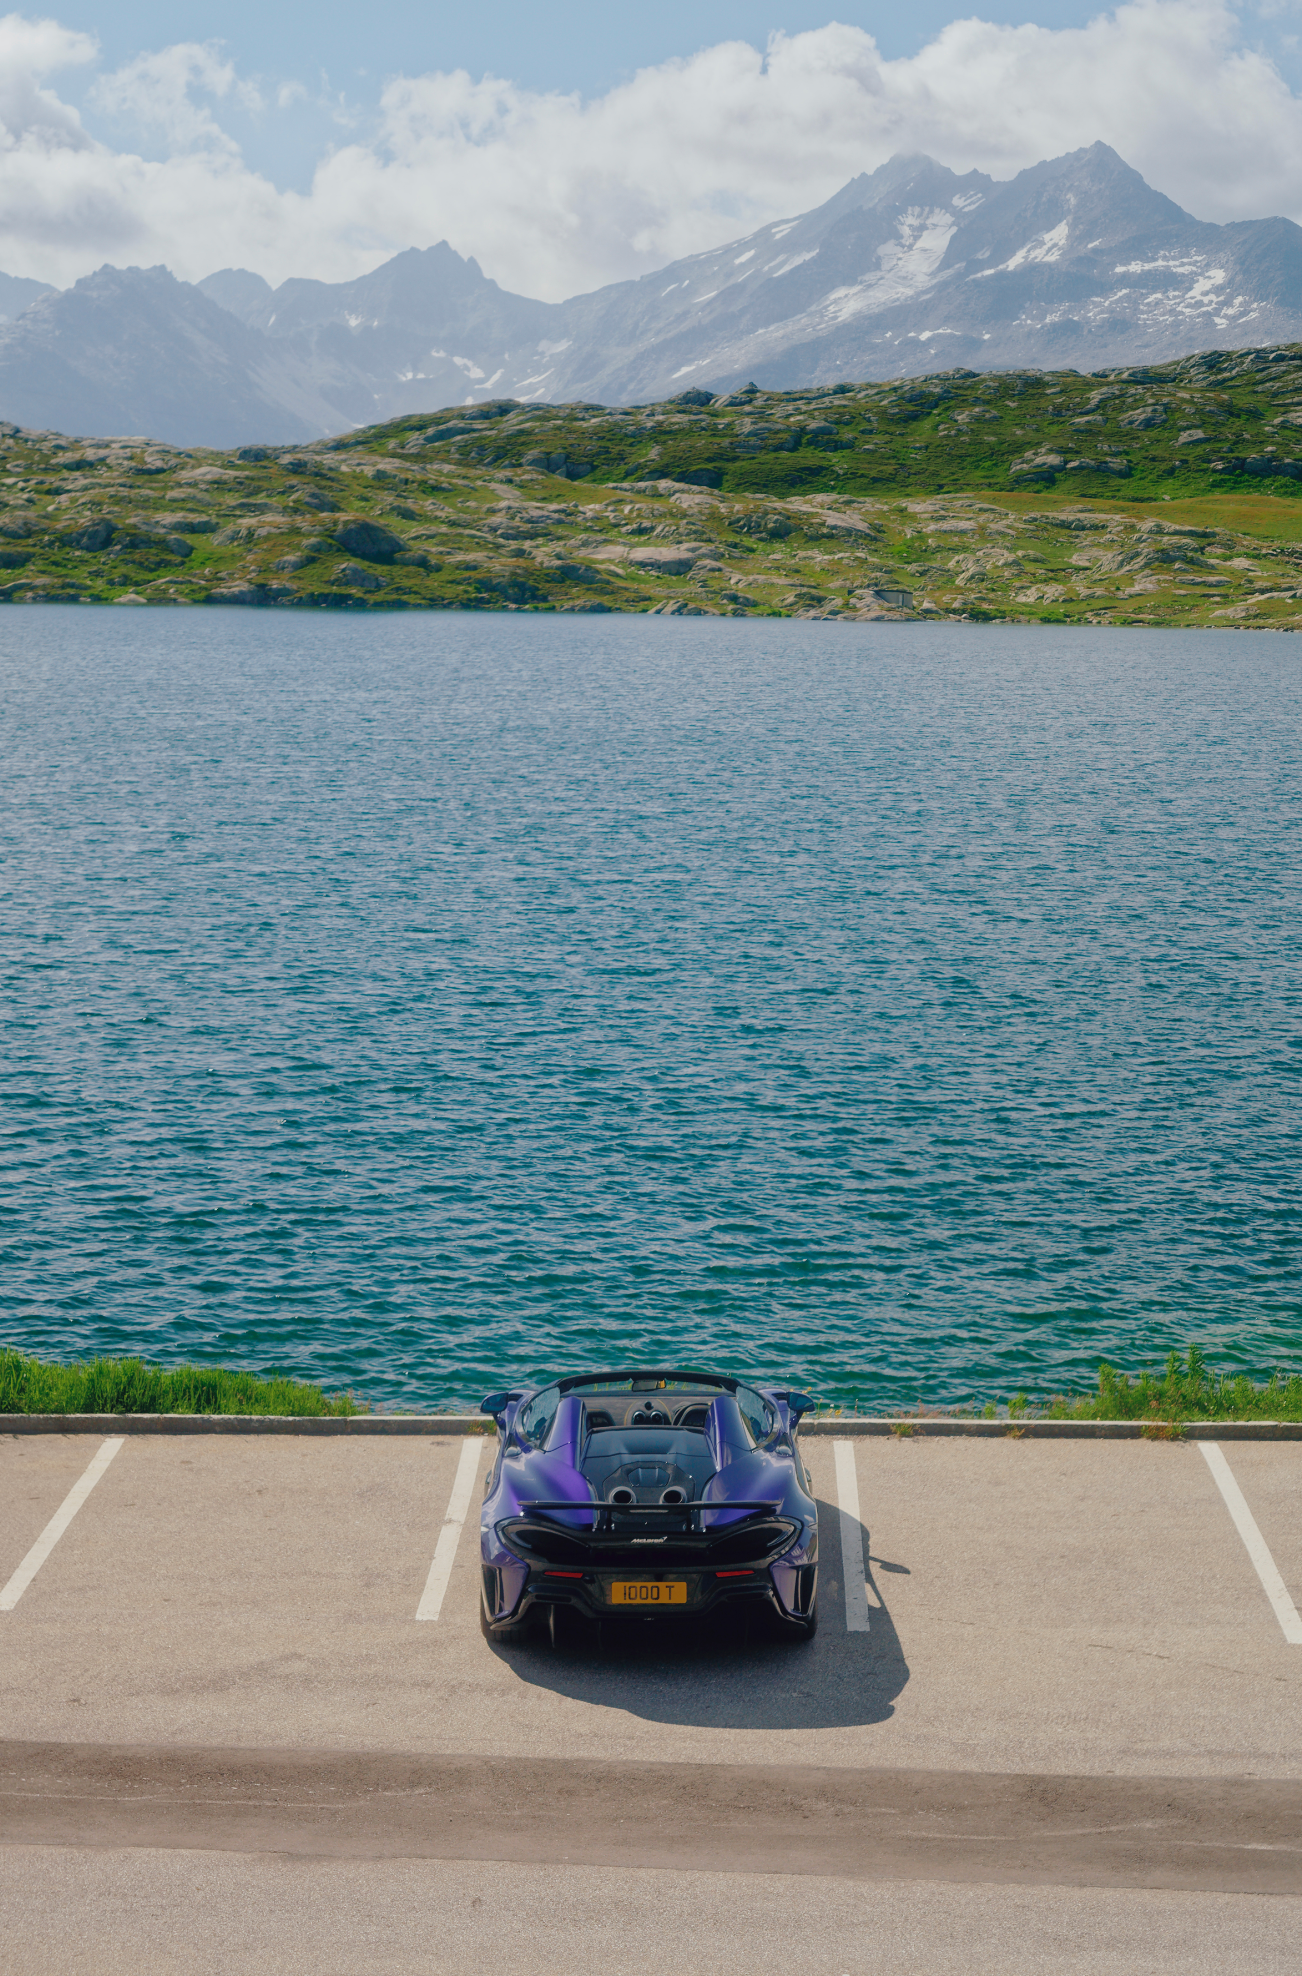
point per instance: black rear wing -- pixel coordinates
(604, 1514)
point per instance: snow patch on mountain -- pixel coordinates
(1047, 246)
(907, 266)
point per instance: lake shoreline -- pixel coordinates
(853, 1426)
(1187, 1396)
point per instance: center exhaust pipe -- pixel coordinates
(674, 1495)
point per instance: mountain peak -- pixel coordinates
(910, 268)
(241, 291)
(1098, 171)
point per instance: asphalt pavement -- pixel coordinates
(1052, 1714)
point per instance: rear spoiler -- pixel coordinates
(605, 1513)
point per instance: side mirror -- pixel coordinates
(497, 1403)
(798, 1403)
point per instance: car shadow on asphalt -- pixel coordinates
(733, 1674)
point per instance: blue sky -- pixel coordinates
(586, 44)
(319, 140)
(341, 58)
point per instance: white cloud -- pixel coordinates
(554, 195)
(29, 52)
(156, 94)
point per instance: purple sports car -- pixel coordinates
(647, 1495)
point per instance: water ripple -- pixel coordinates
(416, 1004)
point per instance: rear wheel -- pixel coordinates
(797, 1632)
(502, 1636)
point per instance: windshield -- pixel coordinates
(673, 1382)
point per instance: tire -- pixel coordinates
(502, 1636)
(797, 1632)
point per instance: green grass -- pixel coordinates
(951, 473)
(1187, 1389)
(128, 1385)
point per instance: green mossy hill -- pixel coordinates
(1187, 1390)
(1205, 422)
(1157, 496)
(29, 1385)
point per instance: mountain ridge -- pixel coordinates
(1076, 262)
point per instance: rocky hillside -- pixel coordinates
(1167, 495)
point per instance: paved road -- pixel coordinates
(1068, 1645)
(222, 1914)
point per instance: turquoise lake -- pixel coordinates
(421, 1003)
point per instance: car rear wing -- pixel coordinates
(605, 1513)
(691, 1535)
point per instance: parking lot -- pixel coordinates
(1060, 1668)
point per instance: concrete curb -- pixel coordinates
(244, 1423)
(923, 1426)
(911, 1426)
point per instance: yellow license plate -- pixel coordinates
(649, 1591)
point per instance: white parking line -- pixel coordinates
(57, 1524)
(431, 1602)
(1255, 1544)
(852, 1571)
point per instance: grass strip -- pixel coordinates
(128, 1385)
(1188, 1389)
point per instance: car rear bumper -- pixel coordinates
(591, 1594)
(580, 1557)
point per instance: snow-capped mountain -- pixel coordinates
(426, 329)
(1074, 263)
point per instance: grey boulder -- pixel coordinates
(369, 540)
